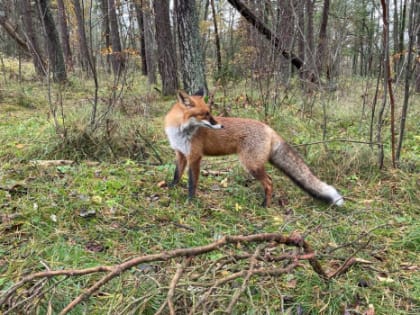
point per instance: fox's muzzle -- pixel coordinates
(214, 123)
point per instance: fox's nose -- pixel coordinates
(221, 126)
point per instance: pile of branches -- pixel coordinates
(244, 256)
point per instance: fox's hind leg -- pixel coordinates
(259, 173)
(180, 164)
(265, 180)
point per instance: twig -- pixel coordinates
(253, 261)
(171, 292)
(336, 140)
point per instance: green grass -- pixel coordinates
(42, 223)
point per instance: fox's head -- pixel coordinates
(196, 111)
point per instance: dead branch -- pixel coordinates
(237, 294)
(264, 254)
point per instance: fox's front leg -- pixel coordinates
(193, 175)
(180, 164)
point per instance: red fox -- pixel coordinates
(193, 133)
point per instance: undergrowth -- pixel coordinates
(110, 205)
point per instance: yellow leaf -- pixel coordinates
(97, 199)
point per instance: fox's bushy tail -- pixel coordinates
(284, 157)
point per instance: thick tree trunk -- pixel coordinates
(31, 39)
(117, 56)
(55, 52)
(64, 34)
(192, 64)
(165, 46)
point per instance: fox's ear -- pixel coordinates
(184, 98)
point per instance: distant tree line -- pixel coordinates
(185, 41)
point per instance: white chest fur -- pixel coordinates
(179, 139)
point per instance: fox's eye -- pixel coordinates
(208, 114)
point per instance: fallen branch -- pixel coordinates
(268, 240)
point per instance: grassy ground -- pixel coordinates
(110, 206)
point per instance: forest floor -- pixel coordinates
(109, 203)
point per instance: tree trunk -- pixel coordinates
(286, 29)
(408, 74)
(150, 42)
(84, 49)
(64, 34)
(105, 34)
(216, 38)
(55, 52)
(192, 64)
(138, 6)
(322, 51)
(309, 50)
(165, 46)
(117, 56)
(26, 11)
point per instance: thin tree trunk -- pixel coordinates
(105, 33)
(150, 42)
(408, 72)
(84, 50)
(11, 30)
(387, 78)
(138, 6)
(117, 56)
(216, 38)
(322, 53)
(64, 34)
(264, 30)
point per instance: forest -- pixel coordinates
(90, 222)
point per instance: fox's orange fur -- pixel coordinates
(194, 133)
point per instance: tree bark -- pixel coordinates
(64, 34)
(216, 38)
(192, 64)
(117, 56)
(84, 49)
(138, 6)
(150, 42)
(322, 53)
(55, 52)
(166, 49)
(408, 74)
(105, 34)
(26, 12)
